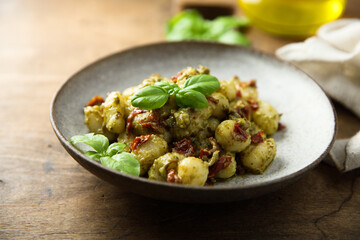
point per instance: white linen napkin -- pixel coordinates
(332, 58)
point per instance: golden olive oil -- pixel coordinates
(292, 17)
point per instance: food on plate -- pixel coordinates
(188, 129)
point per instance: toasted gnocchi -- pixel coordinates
(184, 144)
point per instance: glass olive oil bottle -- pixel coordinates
(297, 18)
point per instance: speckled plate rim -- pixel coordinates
(142, 180)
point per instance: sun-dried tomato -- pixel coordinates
(253, 104)
(172, 177)
(238, 93)
(138, 141)
(185, 147)
(130, 119)
(97, 100)
(244, 111)
(281, 126)
(257, 137)
(153, 122)
(252, 83)
(206, 153)
(223, 162)
(212, 99)
(240, 134)
(175, 77)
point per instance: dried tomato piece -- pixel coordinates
(257, 137)
(130, 119)
(97, 100)
(223, 162)
(206, 153)
(240, 134)
(253, 104)
(138, 141)
(238, 93)
(281, 126)
(252, 83)
(244, 111)
(212, 99)
(172, 177)
(185, 147)
(175, 77)
(153, 121)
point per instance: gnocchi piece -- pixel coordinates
(193, 171)
(242, 108)
(220, 105)
(228, 89)
(212, 124)
(137, 127)
(94, 119)
(181, 77)
(114, 110)
(266, 117)
(258, 157)
(189, 122)
(230, 170)
(146, 152)
(233, 135)
(247, 90)
(161, 166)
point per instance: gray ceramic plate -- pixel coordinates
(307, 113)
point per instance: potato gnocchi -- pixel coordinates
(186, 145)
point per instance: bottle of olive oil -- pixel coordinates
(298, 18)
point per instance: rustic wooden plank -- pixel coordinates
(44, 194)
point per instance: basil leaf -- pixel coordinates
(150, 97)
(94, 155)
(206, 84)
(188, 24)
(170, 88)
(99, 142)
(234, 37)
(221, 25)
(115, 148)
(190, 98)
(123, 162)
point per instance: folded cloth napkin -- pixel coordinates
(332, 58)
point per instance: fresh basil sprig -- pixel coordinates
(190, 25)
(110, 156)
(191, 95)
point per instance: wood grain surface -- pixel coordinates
(45, 194)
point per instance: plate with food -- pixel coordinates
(194, 121)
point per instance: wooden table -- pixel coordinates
(45, 194)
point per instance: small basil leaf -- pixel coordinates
(115, 148)
(170, 88)
(123, 162)
(221, 25)
(188, 24)
(108, 162)
(94, 155)
(203, 83)
(149, 98)
(190, 98)
(99, 142)
(234, 37)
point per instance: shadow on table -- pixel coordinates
(294, 212)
